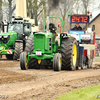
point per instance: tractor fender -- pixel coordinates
(21, 41)
(64, 36)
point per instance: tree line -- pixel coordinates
(37, 9)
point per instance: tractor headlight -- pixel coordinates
(5, 36)
(6, 39)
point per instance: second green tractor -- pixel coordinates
(12, 42)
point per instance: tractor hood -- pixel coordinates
(8, 39)
(44, 34)
(42, 42)
(8, 33)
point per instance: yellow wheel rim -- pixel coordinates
(39, 61)
(74, 54)
(59, 62)
(26, 62)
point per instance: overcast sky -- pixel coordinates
(96, 10)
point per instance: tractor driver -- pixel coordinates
(52, 29)
(77, 27)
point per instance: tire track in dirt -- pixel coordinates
(42, 84)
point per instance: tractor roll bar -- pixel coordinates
(54, 17)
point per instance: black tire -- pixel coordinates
(67, 47)
(83, 63)
(9, 57)
(18, 50)
(29, 48)
(23, 64)
(0, 56)
(57, 63)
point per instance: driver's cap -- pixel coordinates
(77, 23)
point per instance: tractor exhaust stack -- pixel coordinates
(47, 24)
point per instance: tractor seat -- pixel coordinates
(89, 31)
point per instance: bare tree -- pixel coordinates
(11, 9)
(78, 7)
(8, 8)
(1, 13)
(65, 8)
(86, 5)
(44, 8)
(35, 8)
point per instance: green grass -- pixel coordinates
(87, 93)
(97, 58)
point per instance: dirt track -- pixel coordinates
(42, 84)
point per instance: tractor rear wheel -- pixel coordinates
(57, 63)
(18, 50)
(33, 63)
(23, 58)
(69, 53)
(9, 57)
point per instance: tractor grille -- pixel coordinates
(39, 42)
(4, 39)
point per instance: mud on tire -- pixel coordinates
(67, 49)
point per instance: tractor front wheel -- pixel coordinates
(57, 63)
(23, 58)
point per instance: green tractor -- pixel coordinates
(12, 42)
(61, 53)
